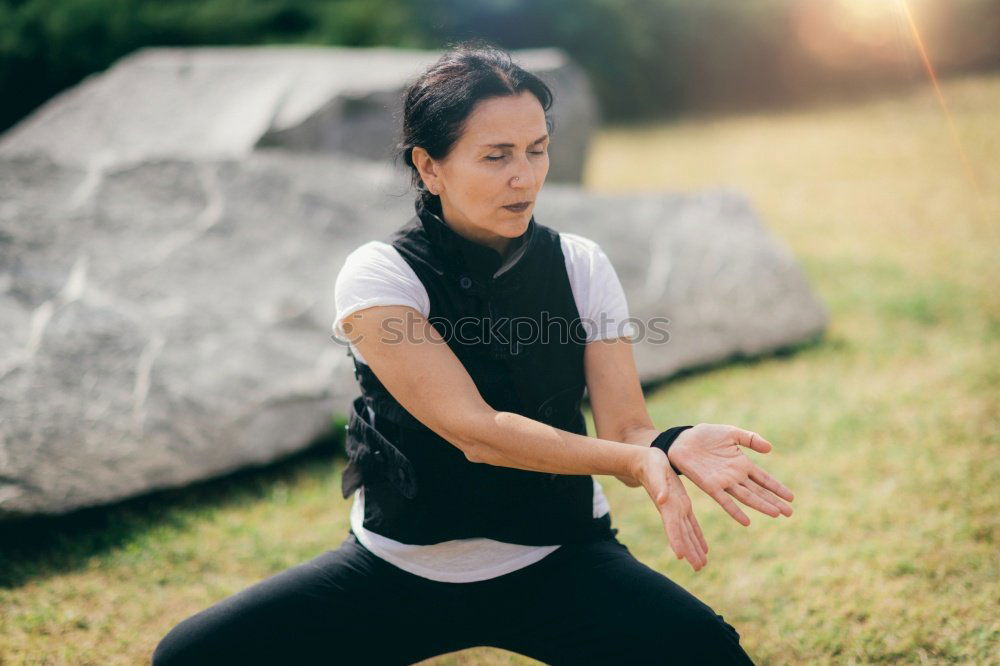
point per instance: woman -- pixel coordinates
(476, 520)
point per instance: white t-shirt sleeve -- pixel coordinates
(375, 274)
(600, 297)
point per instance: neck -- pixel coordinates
(501, 244)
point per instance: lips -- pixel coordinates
(518, 207)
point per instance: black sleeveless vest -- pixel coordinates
(520, 337)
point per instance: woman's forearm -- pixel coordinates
(641, 436)
(507, 439)
(638, 436)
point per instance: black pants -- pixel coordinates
(582, 604)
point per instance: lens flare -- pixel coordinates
(847, 35)
(929, 68)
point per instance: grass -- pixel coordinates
(887, 430)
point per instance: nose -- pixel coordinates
(523, 176)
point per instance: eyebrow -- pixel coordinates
(510, 145)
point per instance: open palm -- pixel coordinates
(709, 454)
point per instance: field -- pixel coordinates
(887, 431)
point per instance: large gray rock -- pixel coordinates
(169, 321)
(704, 279)
(223, 102)
(170, 233)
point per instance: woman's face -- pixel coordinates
(500, 159)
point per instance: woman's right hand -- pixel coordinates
(667, 491)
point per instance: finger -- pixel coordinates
(694, 559)
(766, 495)
(673, 532)
(673, 519)
(695, 541)
(731, 508)
(697, 530)
(751, 500)
(772, 484)
(752, 440)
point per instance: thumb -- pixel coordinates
(753, 441)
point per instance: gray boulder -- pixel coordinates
(224, 102)
(704, 279)
(170, 234)
(169, 321)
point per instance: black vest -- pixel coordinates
(522, 343)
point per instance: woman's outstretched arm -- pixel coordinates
(418, 368)
(708, 454)
(421, 372)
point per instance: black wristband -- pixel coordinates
(666, 438)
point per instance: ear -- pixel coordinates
(427, 168)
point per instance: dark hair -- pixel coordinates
(438, 103)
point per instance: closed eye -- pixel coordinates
(530, 152)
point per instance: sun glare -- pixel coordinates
(850, 35)
(865, 14)
(838, 32)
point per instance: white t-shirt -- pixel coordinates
(375, 274)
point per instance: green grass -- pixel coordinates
(887, 430)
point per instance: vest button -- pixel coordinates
(465, 281)
(547, 412)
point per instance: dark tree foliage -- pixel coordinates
(645, 58)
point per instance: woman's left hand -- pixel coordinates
(709, 455)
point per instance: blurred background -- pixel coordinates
(866, 134)
(645, 58)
